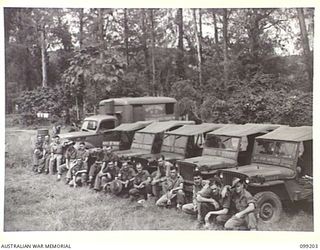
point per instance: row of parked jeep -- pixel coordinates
(274, 160)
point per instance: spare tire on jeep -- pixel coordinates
(268, 206)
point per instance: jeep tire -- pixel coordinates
(268, 207)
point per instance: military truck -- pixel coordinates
(115, 111)
(149, 139)
(280, 171)
(184, 142)
(227, 147)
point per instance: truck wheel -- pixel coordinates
(268, 207)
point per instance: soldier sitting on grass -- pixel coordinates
(124, 182)
(107, 174)
(71, 156)
(141, 185)
(213, 200)
(173, 190)
(104, 156)
(79, 170)
(198, 184)
(244, 204)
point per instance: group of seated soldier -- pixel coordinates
(230, 206)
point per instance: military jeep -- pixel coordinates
(280, 170)
(226, 147)
(149, 139)
(184, 142)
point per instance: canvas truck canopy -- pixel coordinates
(244, 130)
(132, 126)
(139, 100)
(296, 134)
(100, 117)
(159, 127)
(190, 130)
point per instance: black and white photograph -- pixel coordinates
(171, 119)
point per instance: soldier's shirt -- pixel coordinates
(56, 148)
(112, 171)
(242, 200)
(126, 174)
(109, 156)
(173, 183)
(71, 153)
(82, 154)
(38, 145)
(141, 177)
(46, 146)
(208, 193)
(198, 188)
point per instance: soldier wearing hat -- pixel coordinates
(56, 150)
(141, 184)
(198, 184)
(159, 176)
(213, 199)
(105, 176)
(244, 204)
(103, 157)
(123, 183)
(172, 189)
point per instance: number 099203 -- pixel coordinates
(308, 246)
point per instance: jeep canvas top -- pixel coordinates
(280, 170)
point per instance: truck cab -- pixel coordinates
(227, 147)
(115, 111)
(280, 171)
(184, 142)
(149, 139)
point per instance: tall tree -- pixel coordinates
(225, 46)
(305, 46)
(126, 35)
(180, 55)
(198, 40)
(153, 41)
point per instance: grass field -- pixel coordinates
(40, 203)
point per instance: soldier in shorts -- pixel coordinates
(141, 185)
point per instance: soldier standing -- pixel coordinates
(46, 154)
(56, 150)
(37, 154)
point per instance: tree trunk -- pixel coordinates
(198, 46)
(225, 47)
(43, 58)
(126, 35)
(152, 53)
(145, 47)
(81, 28)
(216, 38)
(180, 55)
(306, 47)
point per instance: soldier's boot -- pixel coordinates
(67, 181)
(35, 168)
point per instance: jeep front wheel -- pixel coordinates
(268, 206)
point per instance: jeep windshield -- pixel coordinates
(224, 146)
(174, 144)
(89, 125)
(276, 148)
(143, 141)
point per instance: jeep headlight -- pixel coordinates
(221, 175)
(148, 164)
(133, 161)
(247, 180)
